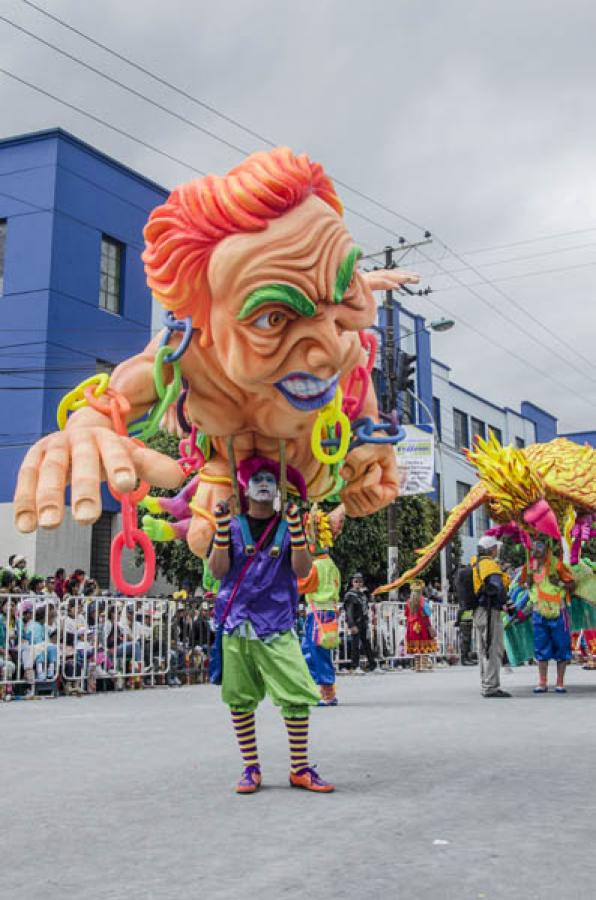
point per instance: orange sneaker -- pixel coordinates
(250, 781)
(310, 780)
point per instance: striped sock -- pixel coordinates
(298, 737)
(244, 726)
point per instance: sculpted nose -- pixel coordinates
(323, 353)
(322, 359)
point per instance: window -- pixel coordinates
(462, 489)
(520, 443)
(477, 427)
(2, 246)
(101, 539)
(497, 433)
(109, 274)
(481, 520)
(437, 416)
(460, 429)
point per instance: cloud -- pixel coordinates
(474, 120)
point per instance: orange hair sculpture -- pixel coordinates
(181, 234)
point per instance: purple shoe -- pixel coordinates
(250, 781)
(310, 780)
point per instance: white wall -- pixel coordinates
(12, 541)
(45, 551)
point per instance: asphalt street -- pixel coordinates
(440, 794)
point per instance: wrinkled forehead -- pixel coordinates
(304, 247)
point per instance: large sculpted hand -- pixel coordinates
(372, 479)
(84, 455)
(389, 279)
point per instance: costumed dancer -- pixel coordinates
(550, 583)
(321, 588)
(420, 636)
(258, 561)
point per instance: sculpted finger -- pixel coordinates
(156, 468)
(85, 478)
(116, 460)
(25, 508)
(52, 481)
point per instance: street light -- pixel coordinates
(438, 325)
(442, 324)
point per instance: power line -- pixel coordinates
(359, 193)
(535, 240)
(518, 306)
(211, 109)
(492, 281)
(513, 259)
(101, 121)
(491, 340)
(150, 74)
(124, 87)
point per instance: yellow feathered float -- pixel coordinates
(544, 488)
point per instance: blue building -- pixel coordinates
(74, 302)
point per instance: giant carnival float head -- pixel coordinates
(264, 352)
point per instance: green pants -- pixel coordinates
(253, 668)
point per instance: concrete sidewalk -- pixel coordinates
(440, 794)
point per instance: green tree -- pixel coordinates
(174, 560)
(362, 545)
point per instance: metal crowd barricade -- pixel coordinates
(387, 633)
(114, 639)
(29, 640)
(192, 637)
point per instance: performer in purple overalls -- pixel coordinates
(261, 652)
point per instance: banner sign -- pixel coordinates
(415, 461)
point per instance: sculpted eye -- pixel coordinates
(270, 320)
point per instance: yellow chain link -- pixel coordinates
(75, 399)
(330, 416)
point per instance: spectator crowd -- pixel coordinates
(62, 634)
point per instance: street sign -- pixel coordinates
(415, 461)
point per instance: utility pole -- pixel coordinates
(390, 404)
(390, 395)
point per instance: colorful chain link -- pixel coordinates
(192, 457)
(194, 450)
(131, 536)
(76, 398)
(332, 419)
(360, 375)
(173, 325)
(167, 395)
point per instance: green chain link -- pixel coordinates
(167, 394)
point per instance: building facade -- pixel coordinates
(457, 414)
(74, 301)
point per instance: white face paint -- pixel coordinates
(262, 487)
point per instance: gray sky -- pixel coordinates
(475, 120)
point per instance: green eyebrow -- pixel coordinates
(344, 274)
(278, 293)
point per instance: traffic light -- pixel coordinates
(406, 367)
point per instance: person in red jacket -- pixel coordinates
(420, 635)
